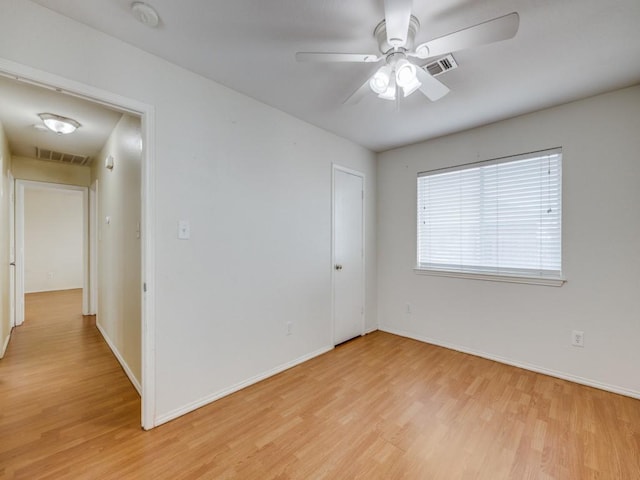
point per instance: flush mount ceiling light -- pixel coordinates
(145, 14)
(58, 124)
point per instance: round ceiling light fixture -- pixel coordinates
(58, 124)
(145, 14)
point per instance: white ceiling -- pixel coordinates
(21, 103)
(564, 50)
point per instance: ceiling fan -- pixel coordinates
(400, 73)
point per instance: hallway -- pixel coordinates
(60, 388)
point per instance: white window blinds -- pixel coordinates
(499, 217)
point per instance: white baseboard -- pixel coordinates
(5, 345)
(371, 330)
(527, 366)
(116, 353)
(238, 386)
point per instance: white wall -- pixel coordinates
(50, 172)
(53, 243)
(119, 284)
(255, 184)
(526, 324)
(5, 166)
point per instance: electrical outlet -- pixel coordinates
(577, 338)
(289, 328)
(184, 230)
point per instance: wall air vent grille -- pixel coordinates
(441, 65)
(60, 157)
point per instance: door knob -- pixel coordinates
(338, 267)
(12, 264)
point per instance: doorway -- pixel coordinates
(55, 228)
(348, 254)
(145, 114)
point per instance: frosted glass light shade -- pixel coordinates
(405, 73)
(58, 124)
(379, 83)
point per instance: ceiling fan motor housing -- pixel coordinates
(380, 33)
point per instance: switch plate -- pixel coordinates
(184, 230)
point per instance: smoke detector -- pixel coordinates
(145, 14)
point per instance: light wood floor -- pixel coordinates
(379, 407)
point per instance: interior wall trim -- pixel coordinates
(125, 366)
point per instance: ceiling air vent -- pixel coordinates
(68, 158)
(441, 65)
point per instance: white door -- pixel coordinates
(348, 254)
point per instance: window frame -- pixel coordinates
(517, 276)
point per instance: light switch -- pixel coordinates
(184, 230)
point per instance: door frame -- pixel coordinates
(12, 251)
(93, 248)
(21, 186)
(146, 113)
(334, 169)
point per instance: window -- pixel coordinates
(499, 218)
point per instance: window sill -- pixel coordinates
(549, 282)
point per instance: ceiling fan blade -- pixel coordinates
(432, 88)
(362, 91)
(501, 28)
(336, 57)
(397, 14)
(358, 95)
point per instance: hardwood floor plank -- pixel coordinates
(379, 407)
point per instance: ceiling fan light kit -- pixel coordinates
(380, 80)
(396, 34)
(397, 74)
(390, 92)
(405, 73)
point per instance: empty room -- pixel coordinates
(376, 239)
